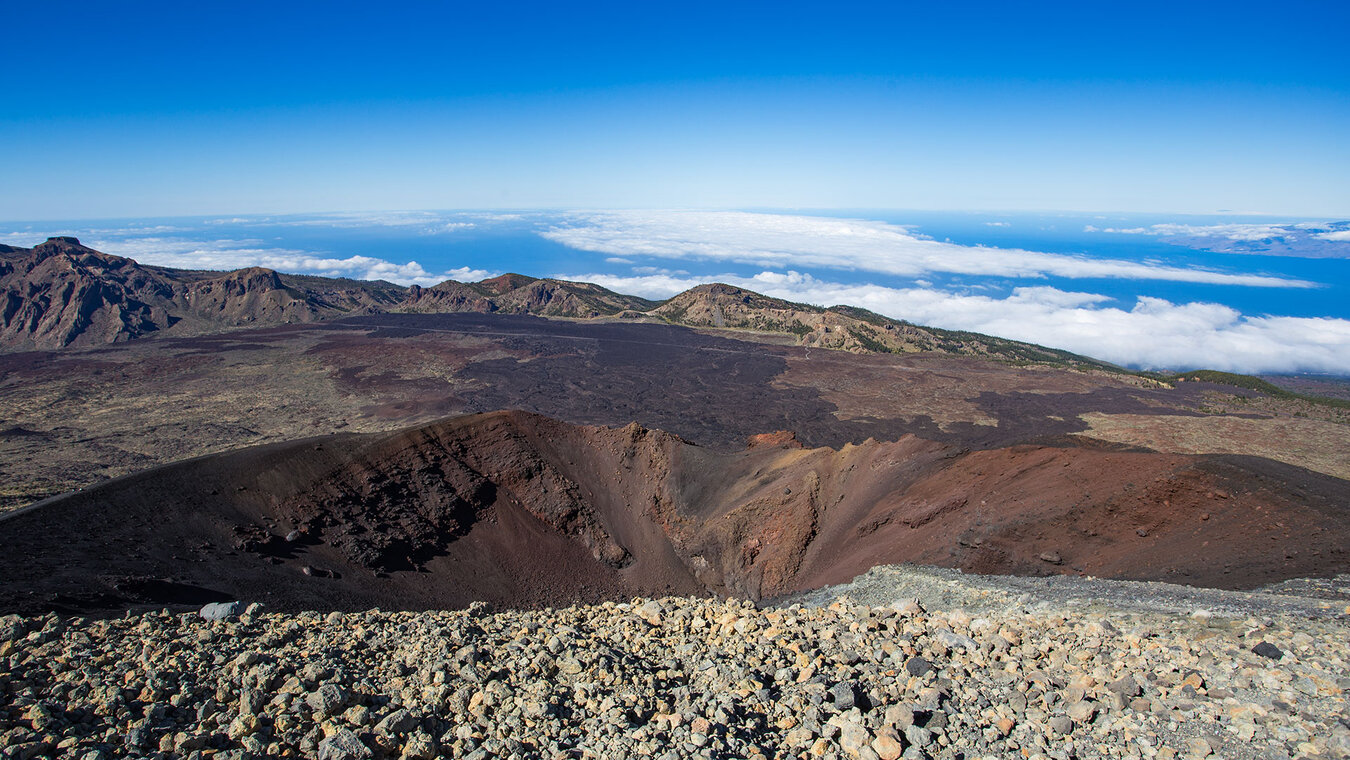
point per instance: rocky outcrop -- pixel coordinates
(448, 296)
(61, 293)
(559, 298)
(518, 294)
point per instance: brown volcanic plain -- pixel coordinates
(917, 455)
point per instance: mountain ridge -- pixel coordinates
(61, 293)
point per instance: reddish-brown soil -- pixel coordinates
(519, 509)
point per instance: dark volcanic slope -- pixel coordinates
(712, 389)
(520, 509)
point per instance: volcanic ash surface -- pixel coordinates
(974, 669)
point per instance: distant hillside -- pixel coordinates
(846, 328)
(61, 293)
(1248, 382)
(518, 294)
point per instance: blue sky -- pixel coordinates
(146, 109)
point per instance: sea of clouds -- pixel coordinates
(1152, 333)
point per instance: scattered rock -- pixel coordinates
(1267, 649)
(678, 678)
(1081, 711)
(651, 612)
(1197, 747)
(846, 695)
(917, 666)
(1125, 686)
(328, 699)
(221, 610)
(396, 723)
(344, 745)
(888, 744)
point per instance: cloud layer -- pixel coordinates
(774, 240)
(1304, 239)
(1153, 333)
(235, 254)
(1237, 232)
(429, 222)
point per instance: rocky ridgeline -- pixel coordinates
(682, 677)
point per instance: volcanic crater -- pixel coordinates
(522, 510)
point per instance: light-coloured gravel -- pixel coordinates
(976, 667)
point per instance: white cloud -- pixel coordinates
(22, 239)
(431, 222)
(226, 255)
(772, 240)
(1244, 233)
(363, 219)
(618, 260)
(449, 227)
(1152, 333)
(1304, 239)
(659, 270)
(1241, 232)
(997, 224)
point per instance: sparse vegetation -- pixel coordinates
(867, 339)
(1247, 382)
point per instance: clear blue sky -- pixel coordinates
(145, 109)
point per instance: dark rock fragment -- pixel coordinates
(1267, 649)
(846, 695)
(917, 666)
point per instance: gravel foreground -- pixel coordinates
(904, 662)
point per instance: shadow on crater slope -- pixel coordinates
(523, 510)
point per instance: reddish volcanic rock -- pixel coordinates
(519, 509)
(781, 439)
(506, 283)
